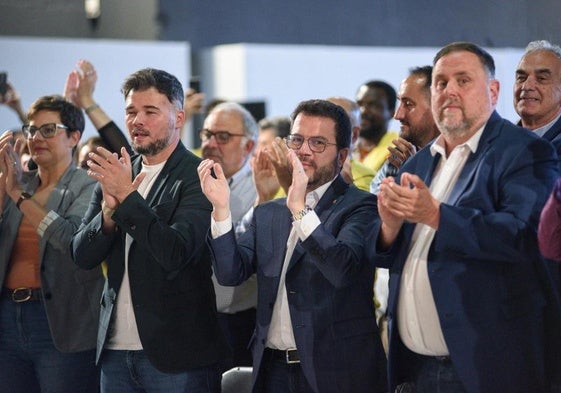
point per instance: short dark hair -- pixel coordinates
(279, 124)
(484, 56)
(425, 71)
(322, 108)
(164, 82)
(391, 94)
(70, 115)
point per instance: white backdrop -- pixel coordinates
(283, 75)
(279, 75)
(38, 67)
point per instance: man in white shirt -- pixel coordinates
(467, 301)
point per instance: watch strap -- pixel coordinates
(24, 196)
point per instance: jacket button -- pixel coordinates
(133, 227)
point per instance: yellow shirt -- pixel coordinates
(362, 175)
(379, 154)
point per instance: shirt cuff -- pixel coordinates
(219, 228)
(46, 221)
(306, 225)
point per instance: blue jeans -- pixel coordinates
(131, 372)
(29, 361)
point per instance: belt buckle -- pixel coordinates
(25, 297)
(292, 356)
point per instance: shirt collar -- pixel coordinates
(542, 130)
(240, 173)
(313, 197)
(472, 143)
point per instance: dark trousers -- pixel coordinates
(277, 376)
(434, 374)
(238, 329)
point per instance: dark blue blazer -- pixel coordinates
(485, 270)
(329, 284)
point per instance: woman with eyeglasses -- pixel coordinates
(48, 306)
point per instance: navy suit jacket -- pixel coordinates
(169, 266)
(329, 284)
(485, 270)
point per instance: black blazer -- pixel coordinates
(169, 266)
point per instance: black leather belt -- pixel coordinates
(288, 356)
(23, 294)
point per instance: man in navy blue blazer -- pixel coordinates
(316, 328)
(468, 290)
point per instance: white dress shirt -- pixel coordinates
(417, 317)
(280, 334)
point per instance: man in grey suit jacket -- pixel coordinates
(158, 329)
(316, 328)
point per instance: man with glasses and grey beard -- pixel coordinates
(228, 137)
(316, 328)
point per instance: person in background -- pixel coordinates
(228, 136)
(12, 100)
(417, 124)
(148, 219)
(376, 100)
(79, 89)
(467, 302)
(49, 308)
(316, 330)
(354, 172)
(89, 145)
(537, 91)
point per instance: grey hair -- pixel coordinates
(543, 45)
(250, 127)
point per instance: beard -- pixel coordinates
(372, 133)
(322, 174)
(155, 147)
(453, 126)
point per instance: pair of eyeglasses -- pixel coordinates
(221, 137)
(47, 131)
(317, 144)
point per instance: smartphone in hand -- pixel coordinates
(3, 83)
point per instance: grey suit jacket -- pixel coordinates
(71, 295)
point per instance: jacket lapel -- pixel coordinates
(333, 195)
(490, 132)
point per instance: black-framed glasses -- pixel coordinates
(47, 131)
(317, 144)
(221, 137)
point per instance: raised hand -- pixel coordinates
(215, 187)
(278, 156)
(400, 152)
(113, 173)
(264, 177)
(296, 196)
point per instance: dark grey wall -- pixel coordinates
(120, 19)
(502, 23)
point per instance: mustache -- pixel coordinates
(140, 131)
